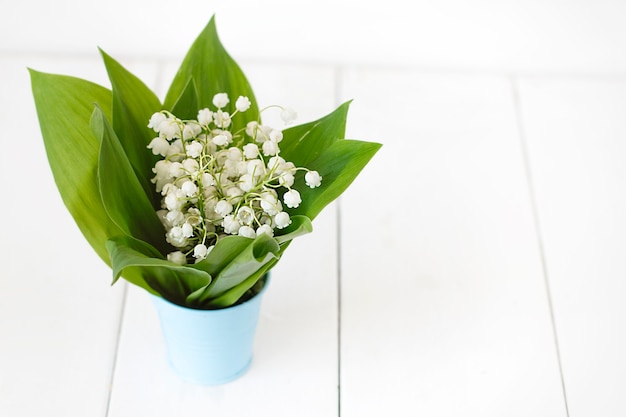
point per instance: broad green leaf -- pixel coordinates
(234, 294)
(187, 103)
(338, 165)
(304, 143)
(213, 71)
(64, 106)
(226, 249)
(320, 146)
(247, 262)
(133, 104)
(122, 195)
(141, 264)
(300, 225)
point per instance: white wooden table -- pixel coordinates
(476, 268)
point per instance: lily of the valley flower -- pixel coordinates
(313, 179)
(212, 188)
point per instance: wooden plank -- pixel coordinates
(549, 35)
(444, 308)
(58, 313)
(294, 371)
(575, 129)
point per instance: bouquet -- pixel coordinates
(193, 199)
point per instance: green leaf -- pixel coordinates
(233, 295)
(319, 146)
(304, 143)
(133, 105)
(64, 106)
(243, 263)
(213, 71)
(226, 249)
(141, 264)
(187, 103)
(300, 225)
(339, 165)
(122, 195)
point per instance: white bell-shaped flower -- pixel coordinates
(242, 104)
(200, 251)
(265, 229)
(252, 129)
(313, 179)
(286, 179)
(221, 119)
(175, 218)
(191, 166)
(256, 167)
(288, 115)
(270, 203)
(270, 148)
(155, 121)
(231, 225)
(175, 152)
(174, 200)
(177, 257)
(191, 130)
(234, 154)
(159, 146)
(177, 170)
(247, 182)
(205, 117)
(187, 230)
(169, 129)
(189, 188)
(276, 164)
(245, 215)
(234, 193)
(220, 140)
(176, 237)
(292, 198)
(282, 220)
(247, 231)
(194, 149)
(276, 135)
(223, 208)
(220, 100)
(251, 150)
(207, 180)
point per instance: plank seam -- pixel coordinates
(118, 337)
(537, 225)
(337, 75)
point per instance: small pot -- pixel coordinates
(209, 347)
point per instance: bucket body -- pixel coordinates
(209, 347)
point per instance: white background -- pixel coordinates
(477, 266)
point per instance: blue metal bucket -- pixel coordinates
(209, 347)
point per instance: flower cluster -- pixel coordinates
(216, 182)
